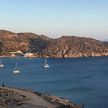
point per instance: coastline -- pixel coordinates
(72, 56)
(7, 56)
(22, 98)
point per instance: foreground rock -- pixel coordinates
(17, 98)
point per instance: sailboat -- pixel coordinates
(46, 64)
(16, 70)
(1, 65)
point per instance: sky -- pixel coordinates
(56, 18)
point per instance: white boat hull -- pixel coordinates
(46, 66)
(16, 71)
(1, 66)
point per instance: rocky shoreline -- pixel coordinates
(78, 55)
(21, 98)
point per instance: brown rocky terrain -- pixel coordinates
(41, 45)
(18, 98)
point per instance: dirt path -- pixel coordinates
(20, 98)
(26, 99)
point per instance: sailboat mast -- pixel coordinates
(15, 66)
(0, 61)
(45, 60)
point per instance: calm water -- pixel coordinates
(83, 80)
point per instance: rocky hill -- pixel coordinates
(41, 45)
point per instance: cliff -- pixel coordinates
(41, 45)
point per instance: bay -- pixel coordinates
(82, 80)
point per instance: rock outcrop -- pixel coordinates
(18, 98)
(41, 45)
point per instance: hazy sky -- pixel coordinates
(55, 18)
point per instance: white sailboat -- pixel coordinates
(1, 65)
(16, 70)
(46, 64)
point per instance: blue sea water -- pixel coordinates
(82, 80)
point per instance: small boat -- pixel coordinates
(1, 65)
(16, 70)
(46, 64)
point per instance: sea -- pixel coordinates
(82, 80)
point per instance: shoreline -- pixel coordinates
(54, 57)
(23, 98)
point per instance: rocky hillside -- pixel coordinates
(77, 47)
(40, 45)
(10, 41)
